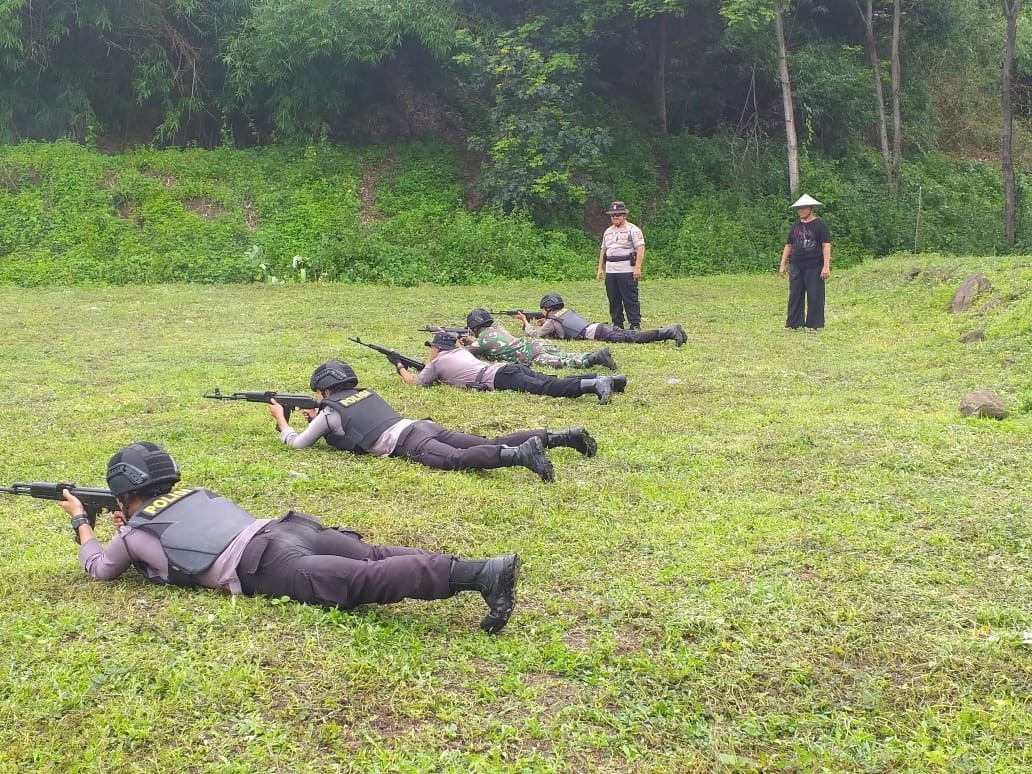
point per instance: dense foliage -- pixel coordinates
(395, 214)
(539, 92)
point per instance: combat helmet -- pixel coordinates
(333, 374)
(479, 318)
(552, 301)
(139, 466)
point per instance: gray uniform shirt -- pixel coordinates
(458, 368)
(328, 421)
(131, 545)
(553, 329)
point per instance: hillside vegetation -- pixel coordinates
(791, 553)
(399, 215)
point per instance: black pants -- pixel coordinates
(434, 446)
(522, 379)
(605, 332)
(622, 290)
(805, 285)
(299, 558)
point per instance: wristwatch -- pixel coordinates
(77, 521)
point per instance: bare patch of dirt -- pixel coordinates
(209, 209)
(166, 179)
(367, 186)
(128, 210)
(250, 216)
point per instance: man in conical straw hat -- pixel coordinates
(808, 250)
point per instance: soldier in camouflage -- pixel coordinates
(494, 342)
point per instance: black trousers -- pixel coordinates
(434, 446)
(622, 290)
(619, 336)
(522, 379)
(299, 558)
(805, 286)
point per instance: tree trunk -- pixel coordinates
(872, 59)
(897, 120)
(659, 74)
(786, 98)
(1011, 9)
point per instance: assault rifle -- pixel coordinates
(392, 355)
(447, 329)
(288, 400)
(514, 312)
(93, 500)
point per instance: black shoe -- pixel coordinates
(635, 327)
(603, 387)
(575, 438)
(619, 382)
(605, 358)
(531, 454)
(497, 584)
(679, 337)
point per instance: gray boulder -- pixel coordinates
(983, 403)
(971, 336)
(969, 288)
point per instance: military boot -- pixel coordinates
(619, 382)
(600, 385)
(602, 357)
(573, 438)
(531, 455)
(495, 579)
(674, 333)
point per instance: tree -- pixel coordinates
(756, 14)
(1011, 9)
(890, 157)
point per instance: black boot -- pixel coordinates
(602, 357)
(574, 438)
(619, 382)
(600, 385)
(674, 333)
(495, 579)
(531, 455)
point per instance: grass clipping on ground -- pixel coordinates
(792, 551)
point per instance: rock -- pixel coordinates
(969, 288)
(976, 335)
(910, 273)
(983, 403)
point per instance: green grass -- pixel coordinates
(792, 552)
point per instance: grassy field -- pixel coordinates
(791, 553)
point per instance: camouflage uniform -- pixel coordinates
(496, 343)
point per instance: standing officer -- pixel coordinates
(493, 342)
(358, 420)
(620, 258)
(194, 537)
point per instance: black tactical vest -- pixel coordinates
(364, 417)
(194, 527)
(572, 323)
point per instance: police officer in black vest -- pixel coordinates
(356, 419)
(194, 537)
(562, 323)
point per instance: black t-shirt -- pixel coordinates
(807, 240)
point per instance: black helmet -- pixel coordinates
(478, 318)
(333, 374)
(138, 466)
(552, 301)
